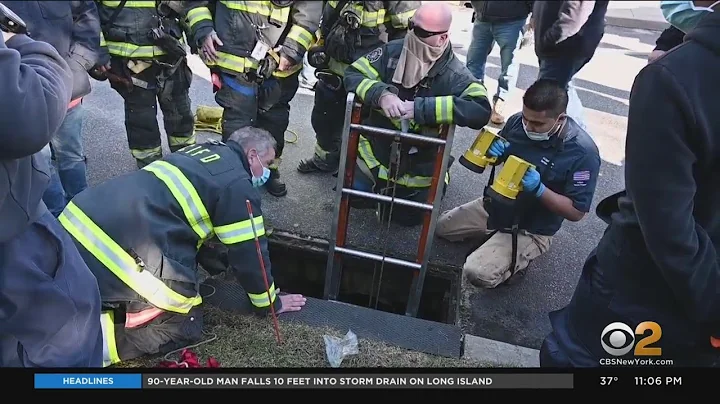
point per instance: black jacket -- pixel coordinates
(501, 11)
(72, 27)
(659, 258)
(35, 84)
(568, 29)
(163, 225)
(669, 39)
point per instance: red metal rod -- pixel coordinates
(276, 324)
(434, 184)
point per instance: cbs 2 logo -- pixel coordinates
(618, 339)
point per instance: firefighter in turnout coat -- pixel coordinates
(255, 49)
(431, 89)
(139, 233)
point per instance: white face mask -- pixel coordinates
(540, 136)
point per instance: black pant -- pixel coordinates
(246, 103)
(141, 123)
(165, 333)
(328, 116)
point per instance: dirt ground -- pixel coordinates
(246, 341)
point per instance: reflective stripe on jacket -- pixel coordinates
(448, 95)
(241, 24)
(139, 233)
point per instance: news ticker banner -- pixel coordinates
(299, 381)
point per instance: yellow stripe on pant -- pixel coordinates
(110, 353)
(122, 265)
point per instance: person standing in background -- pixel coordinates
(567, 33)
(49, 299)
(73, 29)
(501, 22)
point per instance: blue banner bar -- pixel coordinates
(88, 381)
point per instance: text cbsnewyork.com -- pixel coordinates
(321, 381)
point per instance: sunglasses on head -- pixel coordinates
(422, 33)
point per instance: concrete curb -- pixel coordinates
(636, 23)
(500, 354)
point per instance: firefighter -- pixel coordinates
(431, 89)
(256, 50)
(145, 61)
(49, 300)
(145, 257)
(349, 30)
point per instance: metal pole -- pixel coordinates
(384, 198)
(419, 281)
(395, 133)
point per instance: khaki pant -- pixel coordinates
(489, 265)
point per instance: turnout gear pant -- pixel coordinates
(489, 265)
(141, 110)
(164, 333)
(328, 116)
(266, 106)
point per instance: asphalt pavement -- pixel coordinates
(516, 314)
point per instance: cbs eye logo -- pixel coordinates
(618, 339)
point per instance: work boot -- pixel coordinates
(274, 186)
(316, 164)
(497, 112)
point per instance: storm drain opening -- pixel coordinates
(299, 267)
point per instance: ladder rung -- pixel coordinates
(396, 133)
(379, 258)
(386, 198)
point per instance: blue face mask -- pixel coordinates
(684, 15)
(260, 181)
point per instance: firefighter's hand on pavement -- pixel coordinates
(209, 52)
(497, 148)
(391, 105)
(7, 35)
(408, 110)
(291, 303)
(285, 64)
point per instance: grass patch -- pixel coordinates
(248, 341)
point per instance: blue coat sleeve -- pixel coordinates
(35, 83)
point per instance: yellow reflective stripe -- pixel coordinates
(264, 8)
(102, 40)
(363, 66)
(337, 67)
(261, 299)
(444, 109)
(332, 4)
(366, 153)
(301, 36)
(128, 50)
(196, 15)
(110, 354)
(186, 195)
(364, 86)
(146, 153)
(182, 141)
(401, 20)
(474, 90)
(234, 63)
(122, 265)
(241, 231)
(289, 72)
(130, 4)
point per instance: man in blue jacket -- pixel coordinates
(655, 275)
(73, 29)
(49, 299)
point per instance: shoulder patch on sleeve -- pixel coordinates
(374, 55)
(581, 178)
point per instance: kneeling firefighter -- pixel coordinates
(549, 173)
(255, 50)
(417, 79)
(145, 61)
(145, 257)
(349, 30)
